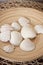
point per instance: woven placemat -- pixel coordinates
(21, 3)
(38, 61)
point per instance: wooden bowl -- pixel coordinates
(36, 17)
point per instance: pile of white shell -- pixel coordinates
(19, 34)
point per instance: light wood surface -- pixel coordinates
(36, 17)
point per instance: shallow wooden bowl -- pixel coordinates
(36, 17)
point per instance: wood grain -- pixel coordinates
(36, 17)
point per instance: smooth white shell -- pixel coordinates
(16, 38)
(27, 45)
(6, 27)
(23, 21)
(39, 28)
(16, 26)
(28, 32)
(8, 48)
(5, 36)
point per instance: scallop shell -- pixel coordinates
(39, 29)
(6, 27)
(23, 21)
(16, 38)
(27, 45)
(8, 48)
(16, 26)
(5, 36)
(28, 32)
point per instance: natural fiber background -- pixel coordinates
(21, 3)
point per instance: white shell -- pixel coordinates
(16, 38)
(39, 29)
(5, 36)
(23, 21)
(28, 32)
(16, 26)
(27, 45)
(8, 48)
(6, 27)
